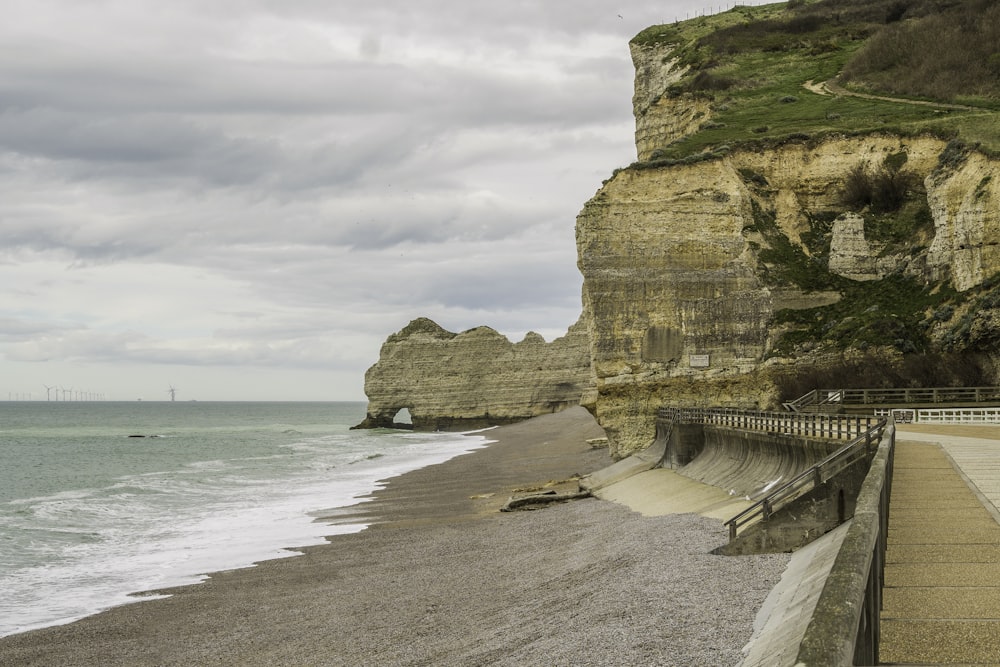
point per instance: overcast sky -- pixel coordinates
(243, 198)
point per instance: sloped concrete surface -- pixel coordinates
(782, 621)
(633, 465)
(662, 491)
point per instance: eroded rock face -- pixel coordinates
(965, 203)
(660, 118)
(851, 254)
(672, 295)
(677, 291)
(476, 378)
(682, 264)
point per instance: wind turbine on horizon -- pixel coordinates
(48, 392)
(173, 393)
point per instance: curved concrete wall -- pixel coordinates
(825, 610)
(745, 463)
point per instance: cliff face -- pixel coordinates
(965, 202)
(686, 264)
(473, 379)
(706, 275)
(659, 119)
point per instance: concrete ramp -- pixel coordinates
(782, 621)
(661, 491)
(750, 463)
(715, 472)
(647, 459)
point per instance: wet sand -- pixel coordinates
(443, 578)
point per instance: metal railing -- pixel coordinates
(838, 427)
(902, 396)
(945, 415)
(845, 628)
(861, 447)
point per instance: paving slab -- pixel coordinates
(943, 574)
(940, 553)
(918, 515)
(939, 642)
(938, 602)
(920, 501)
(941, 600)
(956, 535)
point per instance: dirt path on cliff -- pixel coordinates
(831, 89)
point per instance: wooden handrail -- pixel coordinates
(838, 427)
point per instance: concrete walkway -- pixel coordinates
(941, 602)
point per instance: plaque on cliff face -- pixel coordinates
(662, 344)
(698, 361)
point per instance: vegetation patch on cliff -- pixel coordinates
(784, 263)
(896, 312)
(977, 327)
(763, 70)
(894, 333)
(935, 50)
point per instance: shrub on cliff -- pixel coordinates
(943, 55)
(883, 189)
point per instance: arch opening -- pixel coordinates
(402, 419)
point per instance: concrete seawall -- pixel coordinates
(718, 471)
(824, 611)
(744, 463)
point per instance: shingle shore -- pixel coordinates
(445, 580)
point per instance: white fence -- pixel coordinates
(943, 415)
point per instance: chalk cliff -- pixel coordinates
(691, 267)
(732, 253)
(473, 379)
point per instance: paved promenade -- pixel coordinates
(941, 601)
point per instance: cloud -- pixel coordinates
(270, 185)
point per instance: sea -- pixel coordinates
(100, 501)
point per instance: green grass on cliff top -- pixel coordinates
(752, 62)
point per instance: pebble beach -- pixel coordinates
(441, 577)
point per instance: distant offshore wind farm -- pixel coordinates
(58, 393)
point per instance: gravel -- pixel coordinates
(587, 582)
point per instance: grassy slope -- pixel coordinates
(767, 68)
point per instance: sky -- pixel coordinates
(241, 199)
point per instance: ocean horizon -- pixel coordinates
(101, 501)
